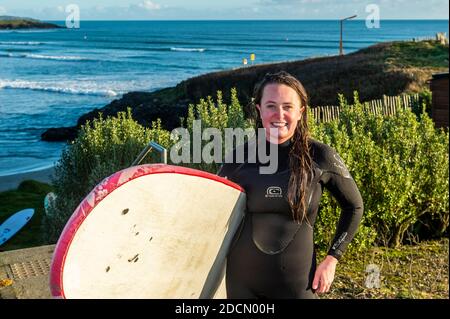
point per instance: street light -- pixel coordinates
(341, 51)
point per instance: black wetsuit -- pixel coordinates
(272, 256)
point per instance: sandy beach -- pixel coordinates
(9, 182)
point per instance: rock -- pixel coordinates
(60, 134)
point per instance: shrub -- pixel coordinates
(424, 103)
(400, 164)
(216, 114)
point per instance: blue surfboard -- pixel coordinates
(14, 223)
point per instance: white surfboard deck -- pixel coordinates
(150, 231)
(14, 223)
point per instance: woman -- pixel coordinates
(273, 253)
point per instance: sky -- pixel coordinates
(224, 9)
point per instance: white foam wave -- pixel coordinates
(48, 57)
(55, 57)
(68, 87)
(21, 43)
(188, 49)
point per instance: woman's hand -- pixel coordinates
(324, 275)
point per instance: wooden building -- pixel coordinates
(439, 88)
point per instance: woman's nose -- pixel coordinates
(279, 112)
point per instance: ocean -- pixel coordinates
(48, 78)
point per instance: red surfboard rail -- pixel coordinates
(101, 191)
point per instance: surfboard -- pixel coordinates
(14, 223)
(149, 231)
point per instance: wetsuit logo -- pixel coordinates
(274, 191)
(341, 166)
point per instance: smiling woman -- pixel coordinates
(273, 255)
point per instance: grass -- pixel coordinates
(422, 54)
(417, 271)
(30, 194)
(389, 68)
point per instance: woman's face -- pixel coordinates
(280, 110)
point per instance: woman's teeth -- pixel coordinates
(278, 124)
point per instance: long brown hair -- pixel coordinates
(300, 160)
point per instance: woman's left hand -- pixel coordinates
(324, 275)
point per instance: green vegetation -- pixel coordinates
(217, 114)
(421, 54)
(389, 68)
(418, 271)
(400, 165)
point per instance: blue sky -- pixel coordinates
(225, 9)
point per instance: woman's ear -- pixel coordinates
(258, 107)
(302, 110)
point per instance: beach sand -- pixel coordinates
(9, 182)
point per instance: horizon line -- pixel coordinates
(195, 20)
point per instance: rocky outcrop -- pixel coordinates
(11, 23)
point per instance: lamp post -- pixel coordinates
(341, 50)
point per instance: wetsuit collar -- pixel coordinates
(285, 145)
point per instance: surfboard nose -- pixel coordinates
(14, 224)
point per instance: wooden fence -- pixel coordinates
(388, 105)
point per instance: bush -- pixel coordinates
(216, 114)
(424, 103)
(400, 164)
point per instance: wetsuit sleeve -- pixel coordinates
(232, 165)
(343, 188)
(227, 170)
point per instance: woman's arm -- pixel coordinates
(346, 193)
(340, 183)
